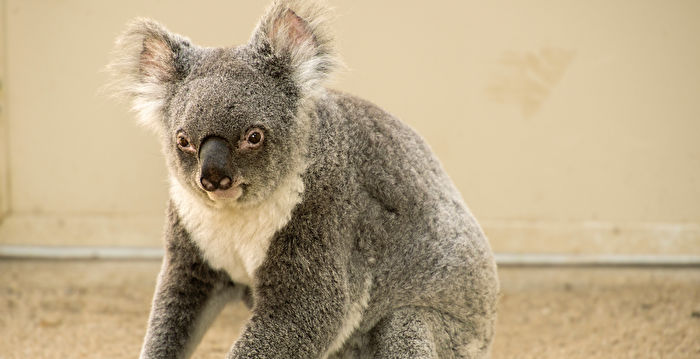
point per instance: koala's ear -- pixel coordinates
(147, 61)
(294, 34)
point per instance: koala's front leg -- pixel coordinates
(301, 299)
(188, 296)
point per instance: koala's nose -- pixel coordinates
(215, 161)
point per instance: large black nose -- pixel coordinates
(215, 161)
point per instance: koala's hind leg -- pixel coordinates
(419, 332)
(403, 334)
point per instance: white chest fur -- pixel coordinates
(236, 239)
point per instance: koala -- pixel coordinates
(329, 217)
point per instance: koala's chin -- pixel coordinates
(231, 198)
(186, 191)
(230, 195)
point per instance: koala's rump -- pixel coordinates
(413, 230)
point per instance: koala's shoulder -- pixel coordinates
(354, 108)
(373, 131)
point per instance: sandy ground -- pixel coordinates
(99, 310)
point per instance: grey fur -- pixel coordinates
(378, 257)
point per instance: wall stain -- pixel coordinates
(526, 79)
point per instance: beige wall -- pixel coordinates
(4, 146)
(568, 126)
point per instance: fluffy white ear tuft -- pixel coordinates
(147, 61)
(296, 33)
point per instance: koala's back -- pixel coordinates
(412, 229)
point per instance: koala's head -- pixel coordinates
(231, 120)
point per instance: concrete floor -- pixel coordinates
(91, 309)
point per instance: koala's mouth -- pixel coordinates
(230, 194)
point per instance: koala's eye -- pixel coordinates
(253, 139)
(184, 143)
